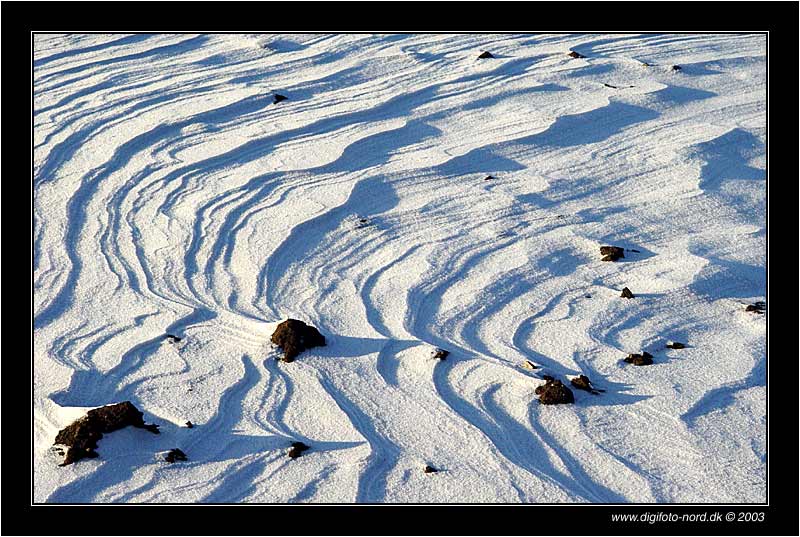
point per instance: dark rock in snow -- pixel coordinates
(676, 67)
(488, 178)
(294, 337)
(172, 339)
(189, 425)
(441, 354)
(640, 359)
(278, 98)
(676, 345)
(758, 307)
(553, 392)
(582, 382)
(429, 469)
(611, 253)
(80, 437)
(527, 364)
(573, 54)
(610, 86)
(626, 293)
(175, 455)
(297, 449)
(485, 55)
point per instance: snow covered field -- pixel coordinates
(172, 196)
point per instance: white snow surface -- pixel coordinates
(172, 196)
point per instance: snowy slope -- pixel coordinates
(173, 196)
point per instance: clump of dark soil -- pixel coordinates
(294, 337)
(441, 354)
(429, 469)
(80, 437)
(676, 345)
(485, 55)
(626, 293)
(758, 307)
(573, 54)
(553, 392)
(278, 98)
(175, 455)
(297, 449)
(611, 253)
(640, 359)
(172, 339)
(582, 382)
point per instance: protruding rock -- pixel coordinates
(553, 392)
(278, 98)
(611, 253)
(573, 54)
(640, 359)
(527, 364)
(758, 307)
(582, 382)
(172, 339)
(297, 449)
(441, 354)
(676, 67)
(489, 178)
(294, 337)
(485, 55)
(80, 437)
(175, 455)
(676, 345)
(626, 293)
(429, 469)
(189, 425)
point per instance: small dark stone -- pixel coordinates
(294, 337)
(429, 469)
(610, 86)
(489, 178)
(553, 392)
(611, 253)
(631, 249)
(278, 98)
(758, 307)
(441, 354)
(582, 382)
(172, 339)
(588, 296)
(640, 359)
(189, 425)
(645, 64)
(485, 55)
(676, 67)
(81, 436)
(297, 449)
(626, 293)
(363, 220)
(573, 54)
(175, 455)
(676, 345)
